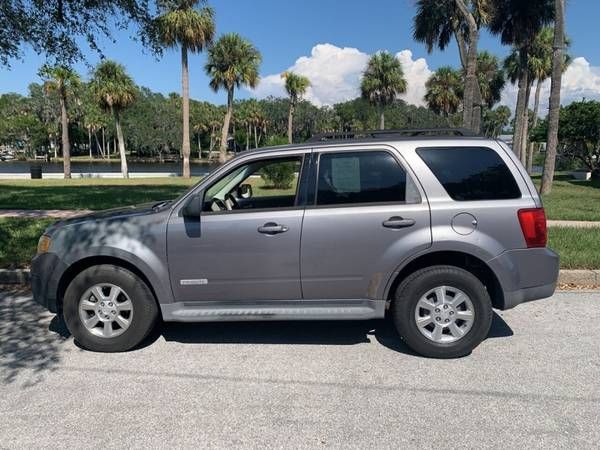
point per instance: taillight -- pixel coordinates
(533, 225)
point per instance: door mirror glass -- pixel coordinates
(245, 191)
(193, 207)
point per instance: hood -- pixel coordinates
(115, 213)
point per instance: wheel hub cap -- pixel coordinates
(444, 314)
(105, 310)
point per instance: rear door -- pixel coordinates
(367, 214)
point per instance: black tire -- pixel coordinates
(145, 309)
(418, 284)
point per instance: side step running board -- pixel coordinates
(273, 310)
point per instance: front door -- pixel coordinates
(245, 246)
(367, 217)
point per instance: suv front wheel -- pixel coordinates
(109, 309)
(442, 311)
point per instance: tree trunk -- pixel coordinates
(471, 76)
(248, 131)
(98, 148)
(525, 134)
(225, 130)
(66, 145)
(185, 91)
(290, 129)
(554, 112)
(90, 142)
(477, 108)
(199, 147)
(103, 143)
(124, 170)
(521, 105)
(536, 110)
(255, 137)
(381, 117)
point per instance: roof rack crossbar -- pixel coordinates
(378, 134)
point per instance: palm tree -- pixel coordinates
(444, 91)
(232, 62)
(114, 91)
(518, 23)
(181, 24)
(295, 86)
(383, 80)
(436, 22)
(64, 81)
(490, 77)
(540, 68)
(554, 112)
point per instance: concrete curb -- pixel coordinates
(573, 277)
(18, 276)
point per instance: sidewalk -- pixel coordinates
(42, 213)
(65, 214)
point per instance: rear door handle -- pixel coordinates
(398, 222)
(272, 228)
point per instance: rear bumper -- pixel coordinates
(526, 275)
(46, 270)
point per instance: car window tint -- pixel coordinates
(361, 177)
(471, 173)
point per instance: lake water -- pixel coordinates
(104, 167)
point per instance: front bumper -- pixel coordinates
(526, 274)
(46, 270)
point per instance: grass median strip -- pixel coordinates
(579, 248)
(572, 200)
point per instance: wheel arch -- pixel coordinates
(85, 263)
(460, 259)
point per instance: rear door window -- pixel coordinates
(363, 177)
(471, 173)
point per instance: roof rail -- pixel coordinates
(382, 134)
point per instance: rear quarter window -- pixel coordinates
(471, 173)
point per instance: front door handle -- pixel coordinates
(272, 228)
(397, 222)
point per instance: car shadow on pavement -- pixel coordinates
(297, 333)
(31, 338)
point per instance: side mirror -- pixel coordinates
(193, 207)
(245, 191)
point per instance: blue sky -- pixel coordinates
(285, 31)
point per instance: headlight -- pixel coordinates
(44, 244)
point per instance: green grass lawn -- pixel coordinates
(578, 248)
(18, 241)
(88, 193)
(572, 200)
(101, 193)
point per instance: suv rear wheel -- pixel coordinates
(109, 309)
(442, 311)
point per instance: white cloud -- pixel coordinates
(335, 74)
(580, 80)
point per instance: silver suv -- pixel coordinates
(433, 229)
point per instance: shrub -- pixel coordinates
(279, 175)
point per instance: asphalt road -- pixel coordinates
(534, 383)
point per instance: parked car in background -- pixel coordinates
(433, 228)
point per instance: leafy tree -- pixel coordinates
(114, 91)
(295, 85)
(62, 80)
(579, 133)
(383, 80)
(232, 62)
(55, 27)
(444, 91)
(182, 25)
(437, 21)
(495, 120)
(517, 23)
